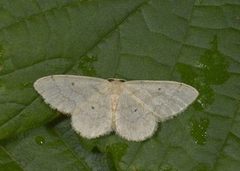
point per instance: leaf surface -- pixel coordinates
(195, 42)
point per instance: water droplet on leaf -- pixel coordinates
(214, 65)
(212, 69)
(199, 130)
(86, 65)
(40, 140)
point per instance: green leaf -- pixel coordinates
(52, 148)
(196, 42)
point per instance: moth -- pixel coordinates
(130, 108)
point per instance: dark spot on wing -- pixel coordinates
(135, 110)
(116, 79)
(72, 83)
(159, 89)
(110, 79)
(93, 107)
(121, 80)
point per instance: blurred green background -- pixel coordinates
(192, 41)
